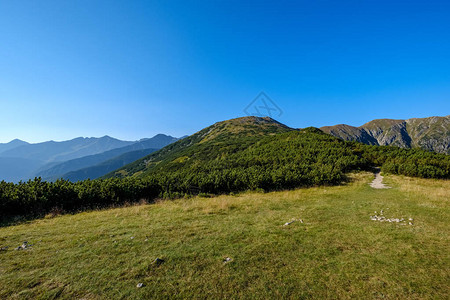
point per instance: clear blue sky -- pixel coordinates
(131, 69)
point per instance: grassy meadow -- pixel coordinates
(336, 252)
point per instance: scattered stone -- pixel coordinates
(411, 219)
(4, 248)
(132, 237)
(158, 261)
(139, 285)
(24, 246)
(410, 223)
(381, 218)
(294, 220)
(227, 260)
(288, 223)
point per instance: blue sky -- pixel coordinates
(132, 69)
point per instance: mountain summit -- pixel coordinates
(218, 139)
(11, 145)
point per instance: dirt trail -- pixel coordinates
(377, 183)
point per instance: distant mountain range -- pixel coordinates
(91, 166)
(105, 167)
(20, 160)
(61, 151)
(431, 133)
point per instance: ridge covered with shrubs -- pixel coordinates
(231, 156)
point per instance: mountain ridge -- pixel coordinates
(431, 133)
(83, 163)
(100, 169)
(22, 161)
(60, 151)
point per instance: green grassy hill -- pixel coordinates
(222, 137)
(260, 153)
(338, 252)
(247, 153)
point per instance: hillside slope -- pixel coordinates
(13, 169)
(222, 137)
(431, 133)
(98, 170)
(246, 153)
(261, 153)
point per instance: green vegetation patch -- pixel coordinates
(336, 252)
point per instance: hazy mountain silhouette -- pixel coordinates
(11, 145)
(54, 171)
(103, 168)
(61, 151)
(20, 160)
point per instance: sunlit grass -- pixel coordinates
(337, 252)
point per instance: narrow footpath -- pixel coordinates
(377, 183)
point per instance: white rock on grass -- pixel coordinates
(227, 259)
(384, 219)
(295, 220)
(24, 246)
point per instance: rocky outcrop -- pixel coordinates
(427, 133)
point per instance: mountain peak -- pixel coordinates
(15, 142)
(242, 126)
(251, 120)
(11, 145)
(18, 141)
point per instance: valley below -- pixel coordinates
(317, 242)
